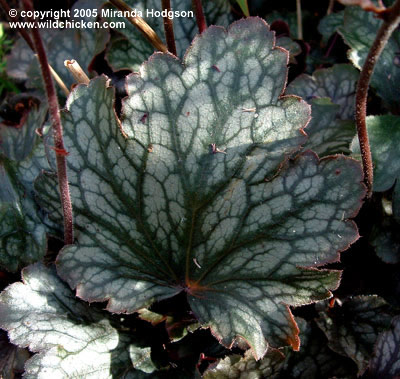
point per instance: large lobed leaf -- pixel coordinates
(71, 338)
(198, 195)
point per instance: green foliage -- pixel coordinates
(23, 225)
(130, 52)
(205, 206)
(70, 337)
(386, 360)
(358, 30)
(5, 45)
(203, 216)
(353, 327)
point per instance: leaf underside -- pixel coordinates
(197, 194)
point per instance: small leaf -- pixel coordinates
(71, 338)
(385, 239)
(236, 366)
(315, 359)
(337, 82)
(200, 196)
(329, 25)
(353, 327)
(386, 360)
(384, 134)
(359, 31)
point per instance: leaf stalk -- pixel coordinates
(391, 19)
(200, 19)
(169, 27)
(57, 130)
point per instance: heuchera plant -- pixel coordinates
(203, 201)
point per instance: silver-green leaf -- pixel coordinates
(197, 192)
(71, 338)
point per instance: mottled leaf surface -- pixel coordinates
(12, 358)
(353, 327)
(315, 359)
(385, 363)
(329, 25)
(236, 366)
(131, 52)
(359, 30)
(384, 134)
(337, 82)
(192, 199)
(71, 338)
(22, 224)
(327, 134)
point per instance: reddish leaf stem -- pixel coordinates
(57, 130)
(198, 10)
(391, 18)
(168, 27)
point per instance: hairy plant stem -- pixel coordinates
(57, 130)
(200, 19)
(142, 25)
(169, 27)
(391, 18)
